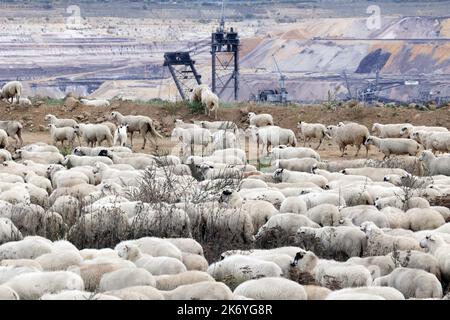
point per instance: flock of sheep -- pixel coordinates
(105, 222)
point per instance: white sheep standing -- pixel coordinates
(389, 130)
(120, 135)
(435, 165)
(126, 277)
(62, 134)
(191, 137)
(312, 130)
(210, 102)
(11, 90)
(94, 134)
(60, 123)
(260, 120)
(14, 130)
(270, 288)
(441, 251)
(272, 136)
(394, 146)
(349, 134)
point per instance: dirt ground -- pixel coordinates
(164, 115)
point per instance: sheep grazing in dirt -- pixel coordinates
(304, 165)
(120, 135)
(142, 124)
(98, 103)
(191, 137)
(260, 120)
(389, 130)
(349, 134)
(394, 146)
(412, 283)
(312, 130)
(60, 123)
(435, 165)
(285, 152)
(196, 95)
(14, 130)
(11, 90)
(94, 134)
(272, 136)
(62, 134)
(210, 102)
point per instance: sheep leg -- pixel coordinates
(192, 149)
(320, 142)
(358, 147)
(131, 138)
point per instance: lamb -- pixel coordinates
(271, 289)
(389, 130)
(154, 265)
(349, 134)
(3, 139)
(272, 136)
(170, 282)
(440, 250)
(76, 161)
(14, 130)
(239, 268)
(303, 165)
(33, 285)
(11, 90)
(98, 103)
(260, 120)
(142, 124)
(205, 290)
(191, 137)
(424, 219)
(126, 277)
(62, 134)
(284, 152)
(435, 165)
(341, 242)
(412, 283)
(394, 146)
(94, 133)
(120, 135)
(379, 243)
(312, 130)
(385, 292)
(60, 123)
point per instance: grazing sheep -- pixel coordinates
(120, 135)
(28, 248)
(14, 130)
(224, 140)
(312, 130)
(435, 165)
(379, 243)
(260, 120)
(285, 152)
(272, 136)
(440, 250)
(11, 90)
(389, 130)
(126, 277)
(349, 134)
(303, 165)
(205, 290)
(62, 134)
(324, 214)
(76, 161)
(271, 289)
(31, 286)
(407, 130)
(191, 137)
(142, 124)
(412, 283)
(283, 175)
(394, 146)
(289, 223)
(416, 260)
(60, 123)
(216, 126)
(196, 95)
(94, 134)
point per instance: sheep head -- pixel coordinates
(278, 175)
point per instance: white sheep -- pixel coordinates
(8, 231)
(31, 286)
(293, 205)
(304, 165)
(362, 213)
(192, 137)
(385, 292)
(180, 123)
(285, 152)
(143, 124)
(283, 175)
(14, 130)
(260, 120)
(196, 95)
(62, 134)
(412, 283)
(126, 277)
(435, 165)
(3, 140)
(98, 103)
(205, 290)
(424, 219)
(94, 134)
(120, 135)
(312, 130)
(11, 90)
(172, 281)
(272, 136)
(224, 140)
(28, 248)
(8, 294)
(407, 130)
(215, 126)
(76, 161)
(394, 146)
(289, 223)
(440, 250)
(60, 123)
(271, 289)
(349, 134)
(324, 214)
(379, 243)
(389, 130)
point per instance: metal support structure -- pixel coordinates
(225, 60)
(183, 72)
